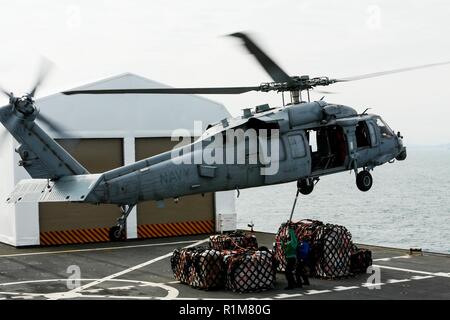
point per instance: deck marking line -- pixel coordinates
(437, 274)
(286, 295)
(382, 259)
(93, 290)
(442, 274)
(396, 257)
(367, 285)
(421, 277)
(397, 280)
(95, 249)
(342, 288)
(136, 267)
(172, 292)
(121, 288)
(317, 291)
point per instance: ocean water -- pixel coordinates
(408, 205)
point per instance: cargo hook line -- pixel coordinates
(293, 207)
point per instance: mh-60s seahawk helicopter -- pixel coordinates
(313, 139)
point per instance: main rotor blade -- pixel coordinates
(383, 73)
(51, 124)
(11, 122)
(68, 142)
(224, 90)
(6, 93)
(325, 92)
(3, 136)
(46, 66)
(266, 62)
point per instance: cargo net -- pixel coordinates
(332, 255)
(200, 267)
(333, 251)
(242, 270)
(233, 241)
(301, 228)
(250, 271)
(360, 260)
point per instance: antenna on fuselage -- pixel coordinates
(364, 112)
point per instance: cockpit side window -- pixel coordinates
(385, 131)
(362, 135)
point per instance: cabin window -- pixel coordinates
(297, 146)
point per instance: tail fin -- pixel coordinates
(41, 156)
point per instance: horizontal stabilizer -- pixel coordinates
(29, 190)
(66, 189)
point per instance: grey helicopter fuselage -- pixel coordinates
(299, 142)
(344, 140)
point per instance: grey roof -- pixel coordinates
(129, 114)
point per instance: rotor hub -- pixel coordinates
(24, 107)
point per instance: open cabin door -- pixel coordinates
(329, 149)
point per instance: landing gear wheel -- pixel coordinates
(116, 233)
(364, 180)
(305, 186)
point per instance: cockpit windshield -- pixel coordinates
(385, 130)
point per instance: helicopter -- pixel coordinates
(298, 141)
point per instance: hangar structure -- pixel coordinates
(114, 130)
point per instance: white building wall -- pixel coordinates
(129, 157)
(226, 216)
(26, 213)
(129, 117)
(7, 169)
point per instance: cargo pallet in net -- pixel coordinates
(250, 271)
(200, 267)
(233, 241)
(332, 256)
(235, 268)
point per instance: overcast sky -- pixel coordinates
(182, 43)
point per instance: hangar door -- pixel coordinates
(193, 214)
(63, 223)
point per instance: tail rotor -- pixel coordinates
(23, 109)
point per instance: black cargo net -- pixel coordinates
(232, 241)
(200, 267)
(250, 271)
(332, 255)
(241, 270)
(334, 248)
(301, 228)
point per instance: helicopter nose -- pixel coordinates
(402, 154)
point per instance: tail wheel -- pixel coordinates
(116, 233)
(364, 180)
(305, 186)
